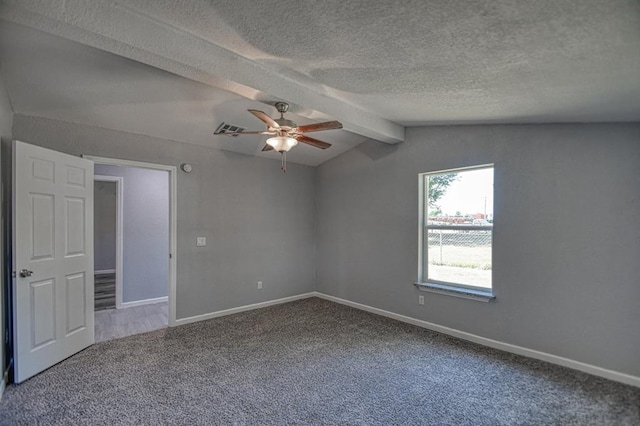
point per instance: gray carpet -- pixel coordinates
(311, 362)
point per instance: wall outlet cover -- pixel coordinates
(201, 241)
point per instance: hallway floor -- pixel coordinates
(115, 323)
(105, 291)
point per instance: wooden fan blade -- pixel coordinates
(327, 125)
(265, 118)
(263, 132)
(267, 147)
(313, 142)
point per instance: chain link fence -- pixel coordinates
(461, 256)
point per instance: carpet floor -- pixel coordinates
(311, 362)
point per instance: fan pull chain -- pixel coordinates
(283, 167)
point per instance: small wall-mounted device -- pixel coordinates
(186, 167)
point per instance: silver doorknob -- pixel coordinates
(25, 273)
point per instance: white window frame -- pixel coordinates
(453, 289)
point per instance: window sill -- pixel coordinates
(450, 290)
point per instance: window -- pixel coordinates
(456, 230)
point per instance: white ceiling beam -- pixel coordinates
(125, 32)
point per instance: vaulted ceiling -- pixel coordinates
(177, 69)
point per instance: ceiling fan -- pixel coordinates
(286, 133)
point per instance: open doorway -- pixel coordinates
(107, 239)
(134, 262)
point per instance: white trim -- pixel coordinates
(119, 181)
(173, 223)
(105, 271)
(230, 311)
(125, 305)
(3, 382)
(479, 295)
(423, 271)
(507, 347)
(421, 216)
(127, 163)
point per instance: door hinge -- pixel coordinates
(170, 256)
(13, 274)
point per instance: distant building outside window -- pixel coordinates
(456, 234)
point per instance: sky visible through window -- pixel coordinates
(471, 193)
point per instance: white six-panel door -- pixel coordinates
(53, 257)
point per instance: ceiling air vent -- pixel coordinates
(228, 128)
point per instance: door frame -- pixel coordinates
(173, 210)
(119, 181)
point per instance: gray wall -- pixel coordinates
(566, 234)
(6, 123)
(145, 223)
(236, 201)
(104, 225)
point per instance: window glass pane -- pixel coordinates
(462, 196)
(460, 257)
(458, 227)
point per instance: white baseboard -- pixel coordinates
(143, 302)
(105, 271)
(222, 313)
(507, 347)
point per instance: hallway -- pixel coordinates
(116, 323)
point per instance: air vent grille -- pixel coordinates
(228, 128)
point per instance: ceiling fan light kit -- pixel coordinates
(282, 143)
(286, 133)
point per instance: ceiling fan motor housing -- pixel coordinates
(286, 124)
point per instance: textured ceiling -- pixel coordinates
(423, 62)
(374, 65)
(51, 77)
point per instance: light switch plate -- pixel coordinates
(201, 241)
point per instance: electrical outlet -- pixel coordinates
(201, 242)
(259, 285)
(420, 300)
